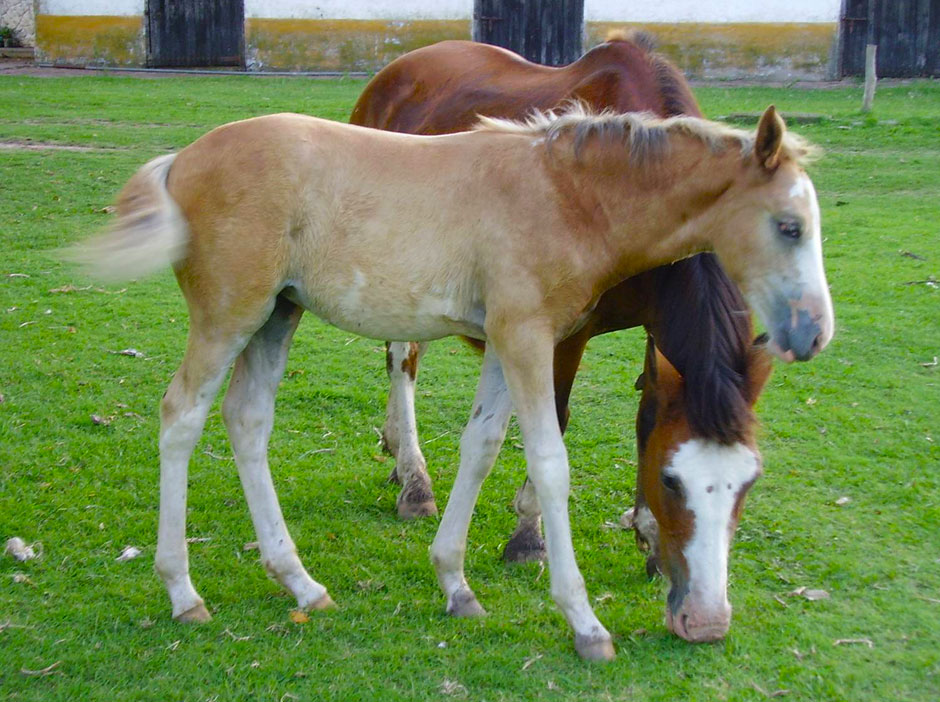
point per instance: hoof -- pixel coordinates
(325, 602)
(416, 499)
(196, 614)
(592, 648)
(525, 546)
(415, 510)
(464, 604)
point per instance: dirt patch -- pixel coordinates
(49, 146)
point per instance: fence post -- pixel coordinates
(871, 79)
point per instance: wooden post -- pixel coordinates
(871, 79)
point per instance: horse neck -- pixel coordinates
(661, 211)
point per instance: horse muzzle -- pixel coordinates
(800, 334)
(699, 624)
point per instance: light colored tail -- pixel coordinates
(150, 232)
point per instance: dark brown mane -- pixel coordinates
(704, 329)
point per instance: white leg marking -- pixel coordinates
(248, 411)
(183, 414)
(401, 432)
(532, 392)
(479, 447)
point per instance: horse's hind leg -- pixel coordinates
(248, 411)
(182, 416)
(400, 434)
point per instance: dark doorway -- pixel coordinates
(192, 33)
(907, 33)
(544, 31)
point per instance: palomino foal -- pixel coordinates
(695, 315)
(508, 233)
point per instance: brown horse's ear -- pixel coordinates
(668, 380)
(759, 367)
(769, 139)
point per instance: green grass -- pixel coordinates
(860, 421)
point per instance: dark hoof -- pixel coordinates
(464, 604)
(595, 648)
(525, 546)
(411, 510)
(416, 500)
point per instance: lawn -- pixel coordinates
(78, 455)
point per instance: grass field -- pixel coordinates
(78, 455)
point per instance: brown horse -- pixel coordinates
(509, 233)
(693, 311)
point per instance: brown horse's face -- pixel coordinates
(771, 245)
(690, 497)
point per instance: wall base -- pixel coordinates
(714, 51)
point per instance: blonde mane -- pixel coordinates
(645, 135)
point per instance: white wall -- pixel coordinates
(127, 8)
(724, 11)
(594, 10)
(360, 9)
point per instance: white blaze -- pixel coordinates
(712, 476)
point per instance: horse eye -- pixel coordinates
(671, 483)
(790, 228)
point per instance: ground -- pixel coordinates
(849, 504)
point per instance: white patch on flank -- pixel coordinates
(350, 299)
(712, 475)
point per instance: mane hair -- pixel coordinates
(704, 329)
(677, 98)
(645, 135)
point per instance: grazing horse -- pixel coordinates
(694, 313)
(509, 233)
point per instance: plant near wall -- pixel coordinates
(8, 37)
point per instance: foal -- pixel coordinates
(509, 234)
(691, 309)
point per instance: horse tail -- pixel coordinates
(150, 233)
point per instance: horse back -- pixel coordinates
(445, 87)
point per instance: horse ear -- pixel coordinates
(668, 380)
(759, 368)
(769, 141)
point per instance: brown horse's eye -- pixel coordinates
(671, 483)
(789, 228)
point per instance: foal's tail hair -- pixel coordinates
(150, 232)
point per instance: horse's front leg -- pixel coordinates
(526, 543)
(400, 434)
(479, 447)
(527, 361)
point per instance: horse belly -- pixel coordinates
(390, 314)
